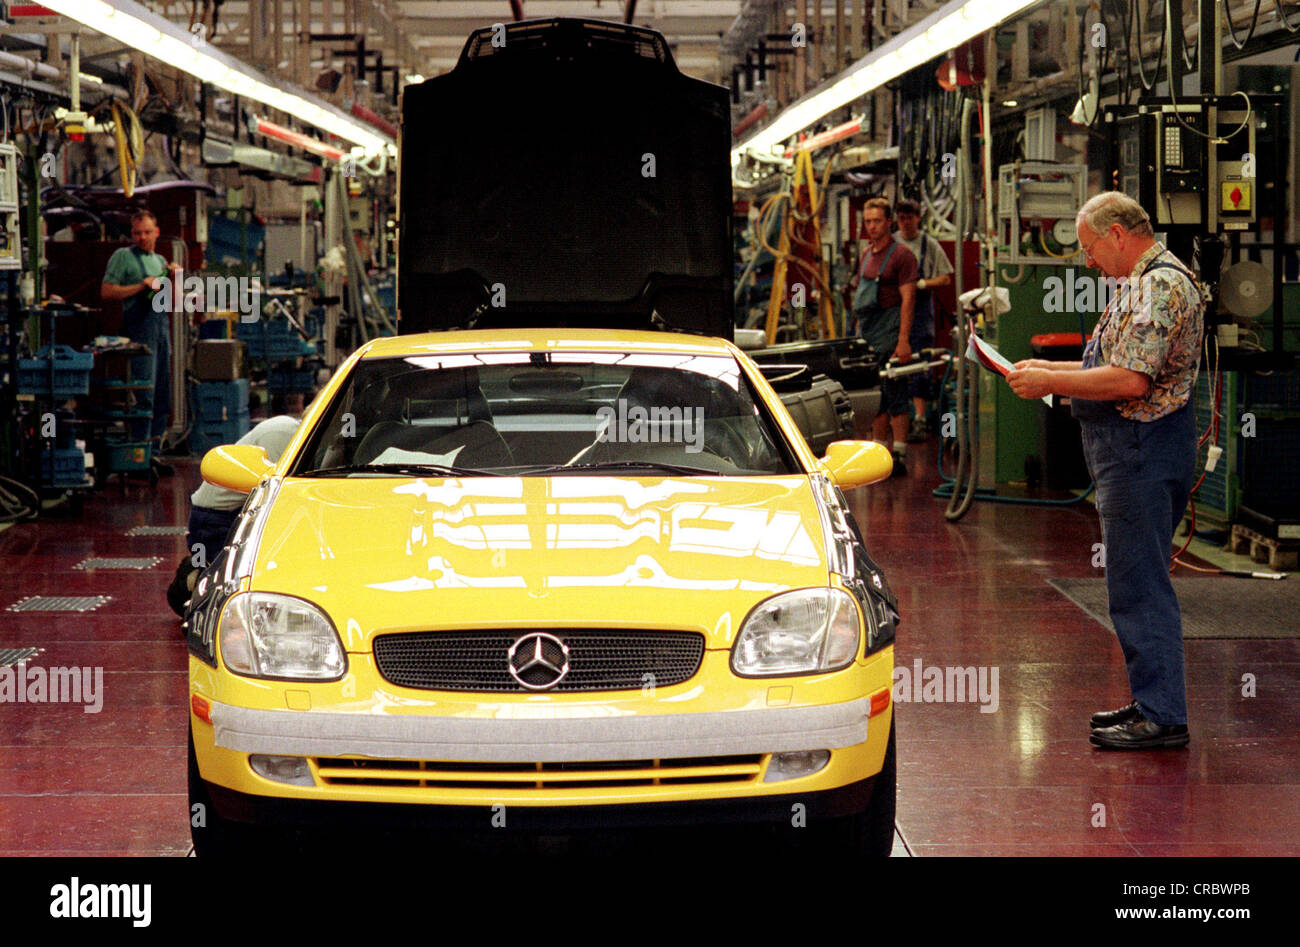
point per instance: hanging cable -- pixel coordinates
(1281, 15)
(1215, 139)
(1160, 54)
(1214, 390)
(1192, 59)
(967, 473)
(130, 145)
(1254, 21)
(1123, 78)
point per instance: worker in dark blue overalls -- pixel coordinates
(134, 276)
(1132, 395)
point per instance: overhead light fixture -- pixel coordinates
(136, 26)
(1009, 103)
(946, 28)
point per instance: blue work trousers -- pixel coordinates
(1144, 472)
(152, 330)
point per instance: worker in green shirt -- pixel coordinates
(133, 277)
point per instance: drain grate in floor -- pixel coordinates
(11, 656)
(125, 562)
(156, 531)
(59, 603)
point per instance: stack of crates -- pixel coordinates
(57, 371)
(1270, 458)
(119, 378)
(63, 467)
(221, 414)
(273, 340)
(290, 380)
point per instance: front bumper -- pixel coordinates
(708, 738)
(555, 739)
(327, 814)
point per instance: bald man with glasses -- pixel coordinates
(1132, 395)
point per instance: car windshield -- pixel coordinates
(545, 414)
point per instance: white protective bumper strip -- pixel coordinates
(533, 740)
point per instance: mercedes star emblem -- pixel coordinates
(539, 661)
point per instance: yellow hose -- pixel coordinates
(1042, 242)
(130, 145)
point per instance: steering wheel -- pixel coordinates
(724, 442)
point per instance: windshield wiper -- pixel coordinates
(681, 469)
(410, 470)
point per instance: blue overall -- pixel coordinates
(151, 329)
(1143, 471)
(142, 323)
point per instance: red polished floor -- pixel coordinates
(1022, 780)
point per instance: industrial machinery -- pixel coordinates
(1210, 171)
(1037, 201)
(11, 244)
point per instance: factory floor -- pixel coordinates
(1007, 771)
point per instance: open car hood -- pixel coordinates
(565, 173)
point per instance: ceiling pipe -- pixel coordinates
(261, 126)
(757, 115)
(375, 119)
(29, 66)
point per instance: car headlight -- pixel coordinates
(802, 632)
(268, 635)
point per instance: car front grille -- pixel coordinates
(599, 660)
(414, 774)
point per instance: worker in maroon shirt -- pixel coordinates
(884, 306)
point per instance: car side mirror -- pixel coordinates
(857, 463)
(238, 467)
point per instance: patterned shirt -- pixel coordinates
(1153, 325)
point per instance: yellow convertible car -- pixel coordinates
(543, 577)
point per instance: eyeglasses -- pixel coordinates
(1087, 251)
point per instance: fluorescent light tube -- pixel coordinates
(945, 29)
(136, 26)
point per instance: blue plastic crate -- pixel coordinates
(221, 400)
(1270, 465)
(293, 381)
(63, 467)
(209, 434)
(287, 347)
(273, 340)
(123, 455)
(386, 291)
(1280, 390)
(71, 372)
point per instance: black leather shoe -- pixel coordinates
(1109, 718)
(161, 469)
(900, 467)
(1140, 734)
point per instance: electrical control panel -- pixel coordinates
(1236, 168)
(1211, 171)
(1196, 164)
(11, 241)
(1037, 201)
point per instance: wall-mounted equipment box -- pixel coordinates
(11, 241)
